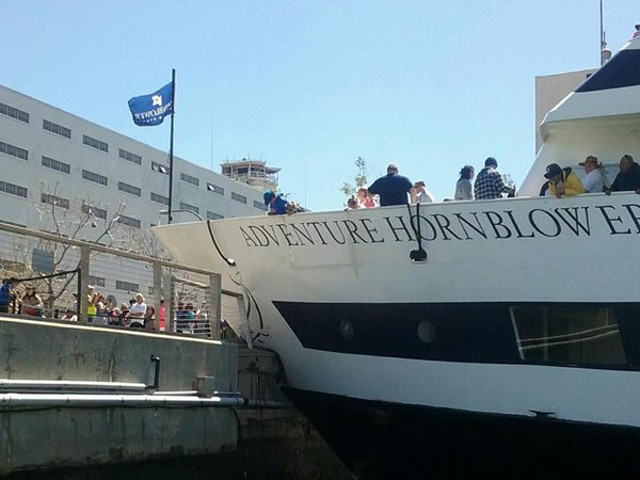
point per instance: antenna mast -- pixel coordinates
(605, 53)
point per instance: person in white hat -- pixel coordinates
(595, 181)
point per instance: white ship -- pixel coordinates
(523, 320)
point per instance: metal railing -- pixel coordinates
(99, 282)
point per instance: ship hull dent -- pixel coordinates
(379, 440)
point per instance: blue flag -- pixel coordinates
(149, 110)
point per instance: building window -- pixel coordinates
(14, 113)
(260, 205)
(151, 290)
(97, 281)
(186, 206)
(132, 157)
(133, 190)
(126, 286)
(14, 151)
(213, 215)
(56, 165)
(12, 189)
(158, 167)
(94, 177)
(573, 334)
(215, 188)
(92, 142)
(55, 201)
(97, 212)
(132, 222)
(57, 129)
(189, 179)
(238, 198)
(161, 199)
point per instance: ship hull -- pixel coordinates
(380, 440)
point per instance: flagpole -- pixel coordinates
(173, 110)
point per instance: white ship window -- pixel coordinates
(347, 329)
(426, 331)
(568, 334)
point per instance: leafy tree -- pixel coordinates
(360, 179)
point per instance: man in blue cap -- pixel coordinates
(277, 205)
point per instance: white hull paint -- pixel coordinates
(478, 269)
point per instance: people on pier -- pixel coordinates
(489, 182)
(563, 182)
(70, 315)
(628, 180)
(150, 318)
(422, 194)
(464, 188)
(137, 311)
(596, 180)
(32, 303)
(393, 188)
(7, 296)
(93, 297)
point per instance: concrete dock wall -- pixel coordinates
(59, 436)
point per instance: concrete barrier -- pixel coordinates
(62, 436)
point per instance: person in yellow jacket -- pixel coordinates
(563, 181)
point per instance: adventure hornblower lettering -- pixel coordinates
(485, 225)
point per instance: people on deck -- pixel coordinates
(276, 203)
(393, 188)
(365, 198)
(637, 32)
(595, 181)
(353, 204)
(563, 182)
(422, 194)
(464, 188)
(489, 183)
(628, 180)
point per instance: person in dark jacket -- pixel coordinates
(628, 180)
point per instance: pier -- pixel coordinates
(88, 396)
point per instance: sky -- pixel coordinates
(310, 86)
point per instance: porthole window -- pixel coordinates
(426, 331)
(347, 330)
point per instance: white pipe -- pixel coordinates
(6, 384)
(80, 400)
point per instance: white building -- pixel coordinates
(49, 156)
